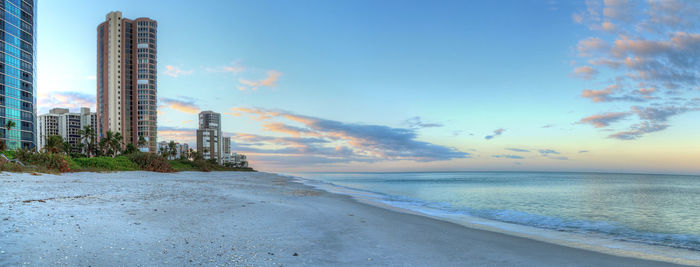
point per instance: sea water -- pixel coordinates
(654, 210)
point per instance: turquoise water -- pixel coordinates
(659, 210)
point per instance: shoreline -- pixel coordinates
(599, 244)
(224, 218)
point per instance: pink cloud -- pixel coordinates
(286, 129)
(603, 120)
(175, 72)
(234, 68)
(71, 100)
(180, 105)
(591, 45)
(366, 141)
(271, 80)
(585, 72)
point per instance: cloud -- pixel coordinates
(585, 72)
(648, 53)
(186, 106)
(508, 156)
(610, 94)
(416, 122)
(551, 154)
(609, 26)
(547, 152)
(652, 119)
(603, 120)
(660, 114)
(600, 95)
(234, 67)
(672, 15)
(638, 130)
(645, 91)
(66, 99)
(591, 45)
(623, 10)
(518, 150)
(578, 18)
(283, 128)
(269, 81)
(365, 141)
(496, 132)
(177, 134)
(175, 72)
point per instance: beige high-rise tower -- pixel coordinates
(127, 79)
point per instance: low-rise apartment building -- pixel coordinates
(60, 121)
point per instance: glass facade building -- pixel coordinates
(17, 69)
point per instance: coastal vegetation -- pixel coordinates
(109, 154)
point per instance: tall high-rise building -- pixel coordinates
(126, 78)
(209, 135)
(17, 69)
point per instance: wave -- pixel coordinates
(602, 229)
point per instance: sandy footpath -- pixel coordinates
(238, 219)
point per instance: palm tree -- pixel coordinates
(88, 136)
(54, 144)
(196, 155)
(173, 148)
(116, 144)
(142, 142)
(67, 147)
(106, 143)
(163, 151)
(81, 147)
(185, 154)
(9, 125)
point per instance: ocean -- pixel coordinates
(654, 215)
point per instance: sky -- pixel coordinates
(604, 86)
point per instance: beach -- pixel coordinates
(240, 219)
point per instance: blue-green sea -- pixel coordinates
(655, 210)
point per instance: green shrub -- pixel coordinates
(7, 166)
(50, 161)
(9, 154)
(183, 165)
(121, 163)
(195, 165)
(151, 162)
(202, 165)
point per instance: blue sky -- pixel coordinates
(357, 82)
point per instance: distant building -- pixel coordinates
(127, 79)
(213, 145)
(239, 160)
(209, 135)
(48, 126)
(180, 149)
(226, 150)
(228, 157)
(59, 121)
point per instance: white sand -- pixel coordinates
(239, 219)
